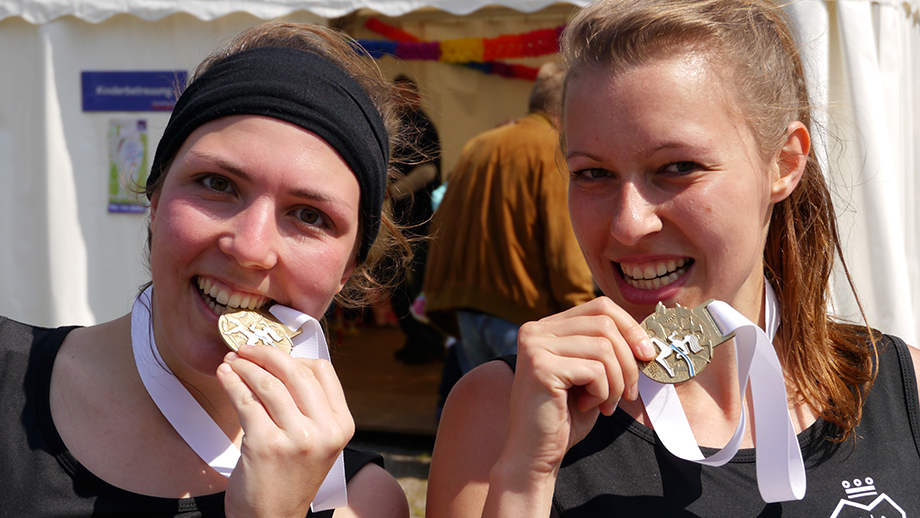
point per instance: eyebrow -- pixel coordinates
(241, 173)
(649, 154)
(572, 154)
(677, 145)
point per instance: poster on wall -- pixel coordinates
(131, 90)
(127, 164)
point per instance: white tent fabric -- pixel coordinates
(863, 62)
(65, 260)
(38, 12)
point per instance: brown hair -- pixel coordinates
(391, 249)
(829, 364)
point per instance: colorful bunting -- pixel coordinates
(388, 31)
(482, 54)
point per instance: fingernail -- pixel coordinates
(633, 393)
(646, 348)
(231, 357)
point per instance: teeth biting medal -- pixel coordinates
(286, 328)
(252, 327)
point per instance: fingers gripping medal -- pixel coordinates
(684, 339)
(251, 327)
(301, 336)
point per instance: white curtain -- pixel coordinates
(863, 62)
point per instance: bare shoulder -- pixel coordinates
(373, 492)
(470, 438)
(915, 356)
(479, 399)
(89, 374)
(490, 376)
(476, 411)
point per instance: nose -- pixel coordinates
(253, 237)
(635, 214)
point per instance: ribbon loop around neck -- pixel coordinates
(191, 421)
(780, 468)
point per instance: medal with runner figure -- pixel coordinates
(252, 327)
(684, 339)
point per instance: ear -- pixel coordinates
(790, 161)
(349, 269)
(154, 202)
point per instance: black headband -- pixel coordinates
(297, 87)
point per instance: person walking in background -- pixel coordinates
(502, 247)
(418, 159)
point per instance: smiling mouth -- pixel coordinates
(651, 276)
(222, 299)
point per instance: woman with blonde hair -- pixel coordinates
(701, 210)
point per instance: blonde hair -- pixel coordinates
(830, 365)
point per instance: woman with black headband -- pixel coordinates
(214, 396)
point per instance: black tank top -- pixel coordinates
(622, 469)
(38, 475)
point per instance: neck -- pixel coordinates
(552, 119)
(709, 400)
(213, 399)
(204, 388)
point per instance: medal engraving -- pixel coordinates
(684, 339)
(248, 327)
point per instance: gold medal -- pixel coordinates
(684, 339)
(252, 327)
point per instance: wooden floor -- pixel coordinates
(393, 404)
(384, 395)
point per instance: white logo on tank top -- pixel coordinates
(864, 501)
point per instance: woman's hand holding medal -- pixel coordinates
(571, 367)
(295, 423)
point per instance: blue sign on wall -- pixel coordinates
(131, 91)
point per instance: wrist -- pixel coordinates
(520, 488)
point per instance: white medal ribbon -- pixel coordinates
(191, 421)
(780, 469)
